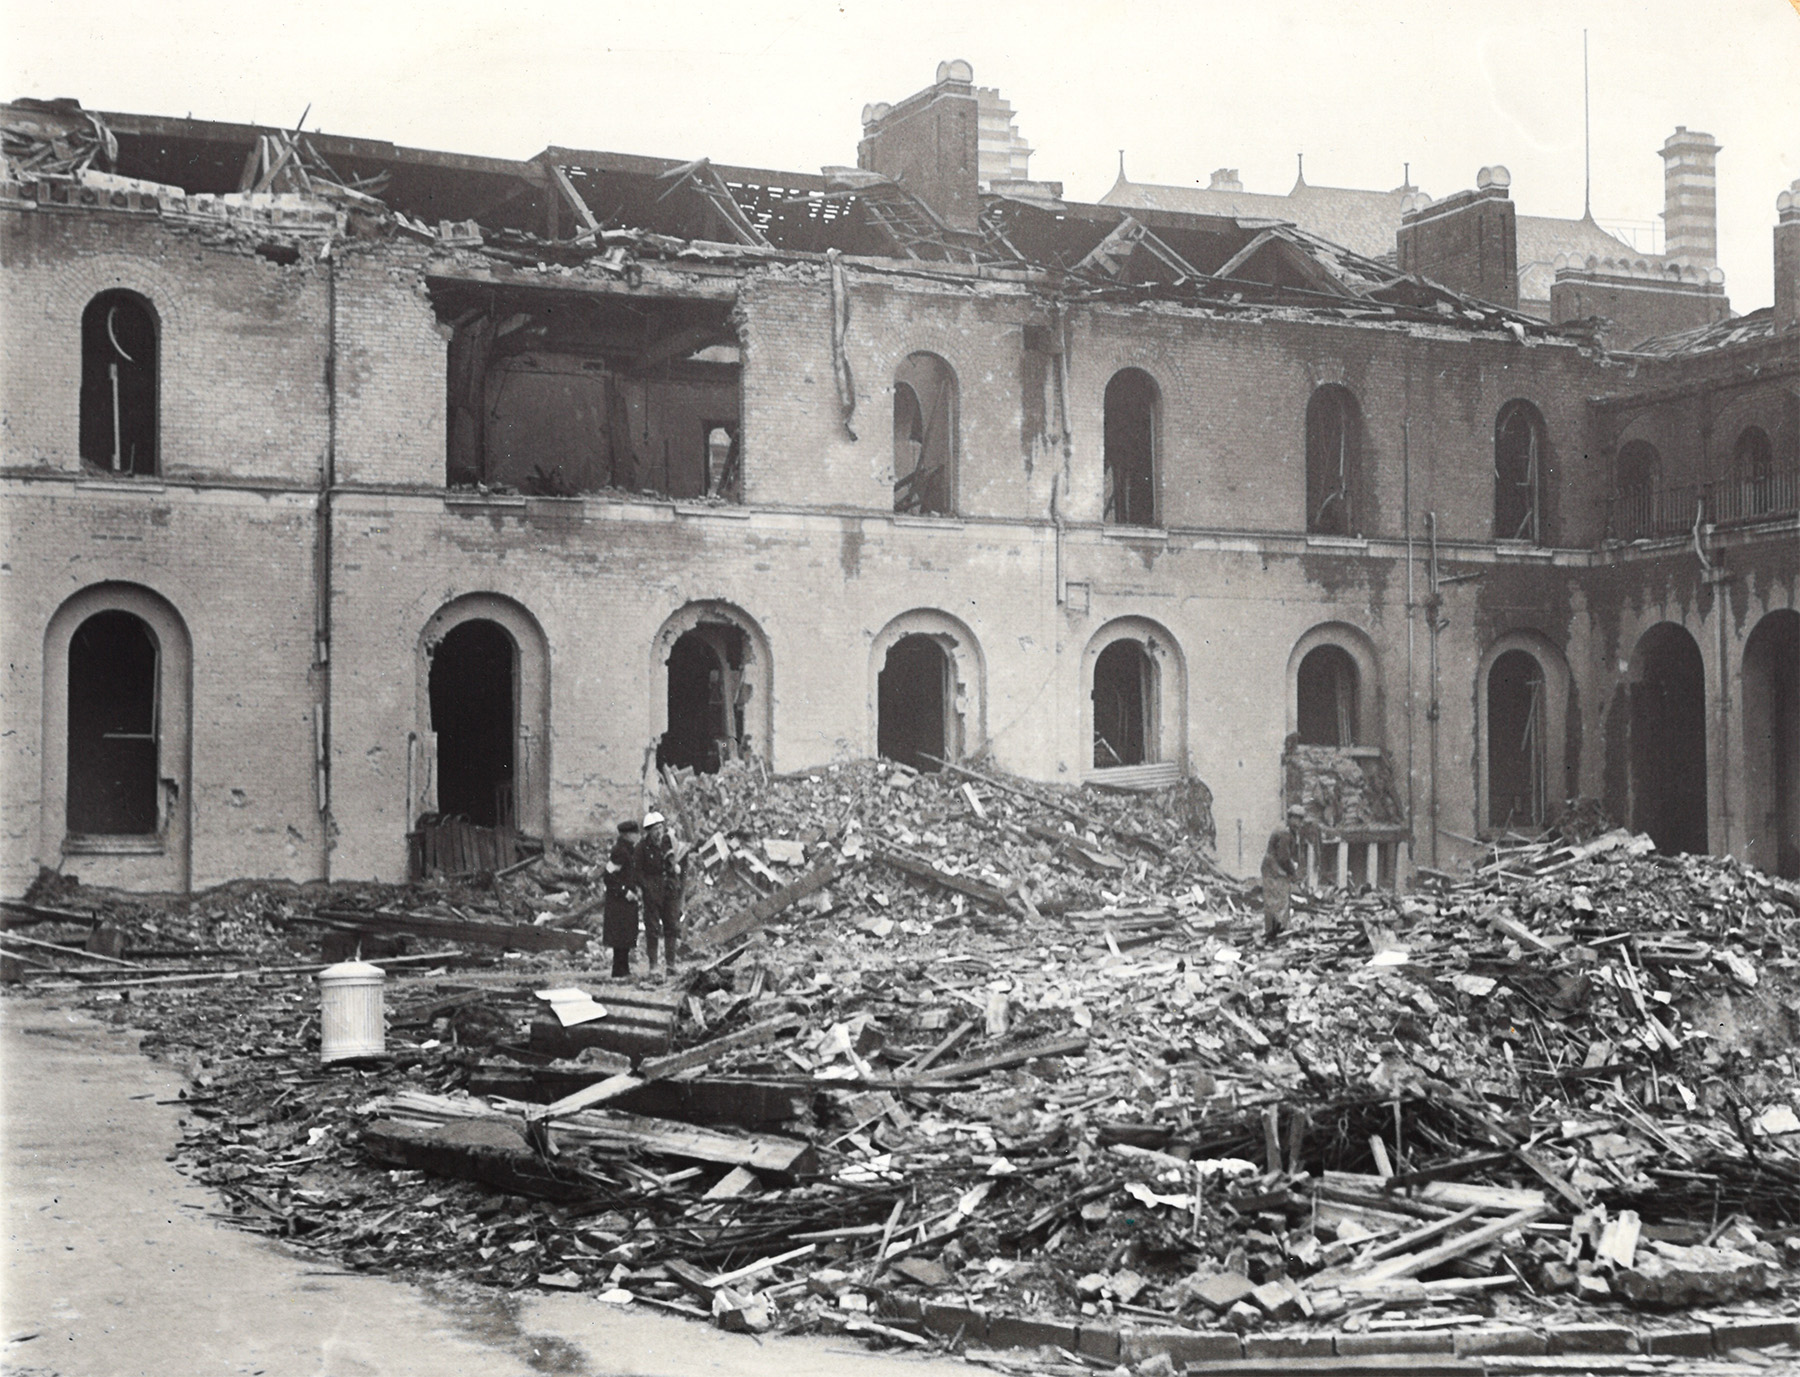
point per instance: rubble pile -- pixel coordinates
(952, 1044)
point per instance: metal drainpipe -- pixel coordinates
(323, 557)
(1411, 691)
(1433, 603)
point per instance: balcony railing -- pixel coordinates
(1640, 513)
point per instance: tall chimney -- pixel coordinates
(931, 144)
(1787, 258)
(1468, 242)
(1691, 198)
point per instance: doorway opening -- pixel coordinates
(1668, 740)
(707, 694)
(1772, 744)
(474, 712)
(1124, 704)
(112, 727)
(1515, 742)
(1325, 697)
(912, 704)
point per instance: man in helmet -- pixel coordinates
(619, 925)
(659, 880)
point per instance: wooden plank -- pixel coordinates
(1541, 1169)
(926, 1059)
(1057, 1047)
(1414, 1263)
(613, 1087)
(20, 914)
(766, 907)
(1445, 1171)
(517, 936)
(785, 1157)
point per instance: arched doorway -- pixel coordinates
(474, 713)
(113, 727)
(1325, 693)
(912, 701)
(1772, 744)
(1124, 695)
(706, 699)
(1668, 739)
(1515, 742)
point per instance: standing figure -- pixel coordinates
(659, 880)
(619, 926)
(1280, 868)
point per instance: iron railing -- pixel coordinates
(1640, 513)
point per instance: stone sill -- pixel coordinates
(154, 844)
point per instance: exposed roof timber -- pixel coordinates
(706, 182)
(1295, 257)
(214, 131)
(637, 165)
(579, 206)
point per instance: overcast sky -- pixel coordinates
(1183, 88)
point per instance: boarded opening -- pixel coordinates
(557, 393)
(925, 439)
(912, 703)
(1124, 704)
(1772, 744)
(112, 727)
(1333, 452)
(1325, 692)
(1130, 442)
(707, 694)
(1668, 740)
(118, 384)
(1515, 742)
(474, 712)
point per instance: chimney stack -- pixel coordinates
(1225, 179)
(1787, 258)
(1468, 242)
(931, 144)
(1691, 198)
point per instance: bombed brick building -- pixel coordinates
(351, 486)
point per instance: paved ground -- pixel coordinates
(113, 1268)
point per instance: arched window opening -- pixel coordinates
(925, 438)
(1753, 458)
(1639, 469)
(1772, 745)
(1124, 696)
(1333, 456)
(1325, 693)
(1130, 445)
(113, 727)
(1515, 742)
(913, 697)
(1519, 473)
(1668, 740)
(118, 384)
(707, 694)
(474, 712)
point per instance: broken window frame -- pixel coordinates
(1331, 512)
(119, 426)
(1110, 467)
(909, 499)
(1529, 486)
(73, 811)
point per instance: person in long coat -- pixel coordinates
(619, 925)
(659, 880)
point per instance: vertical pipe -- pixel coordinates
(1411, 609)
(1433, 600)
(322, 557)
(112, 370)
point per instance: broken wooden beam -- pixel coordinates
(488, 1151)
(766, 907)
(1412, 1264)
(977, 1066)
(518, 937)
(921, 869)
(752, 1104)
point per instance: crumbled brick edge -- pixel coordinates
(1132, 1343)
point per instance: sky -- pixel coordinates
(1361, 89)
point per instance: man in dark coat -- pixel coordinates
(619, 926)
(659, 880)
(1280, 870)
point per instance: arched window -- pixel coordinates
(925, 439)
(1753, 457)
(118, 384)
(1325, 694)
(1333, 461)
(113, 727)
(1515, 742)
(913, 696)
(706, 695)
(1519, 444)
(1639, 469)
(1640, 466)
(1668, 739)
(1130, 443)
(1125, 705)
